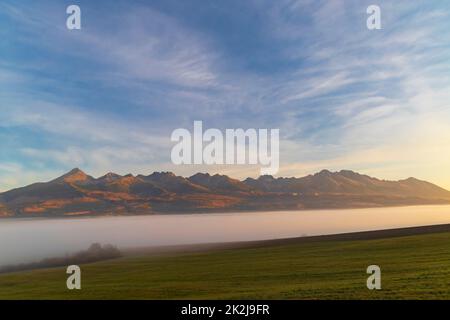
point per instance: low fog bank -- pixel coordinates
(95, 253)
(31, 240)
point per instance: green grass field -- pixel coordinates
(413, 267)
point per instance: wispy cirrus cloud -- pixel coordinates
(108, 97)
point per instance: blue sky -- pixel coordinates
(107, 97)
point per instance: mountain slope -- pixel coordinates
(172, 183)
(76, 193)
(219, 183)
(348, 182)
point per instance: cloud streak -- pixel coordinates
(107, 98)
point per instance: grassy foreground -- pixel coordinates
(413, 267)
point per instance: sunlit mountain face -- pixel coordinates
(78, 194)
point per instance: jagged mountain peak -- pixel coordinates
(325, 173)
(218, 182)
(173, 183)
(200, 175)
(112, 175)
(266, 177)
(74, 175)
(109, 177)
(162, 174)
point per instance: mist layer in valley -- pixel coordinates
(31, 240)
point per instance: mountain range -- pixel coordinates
(78, 194)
